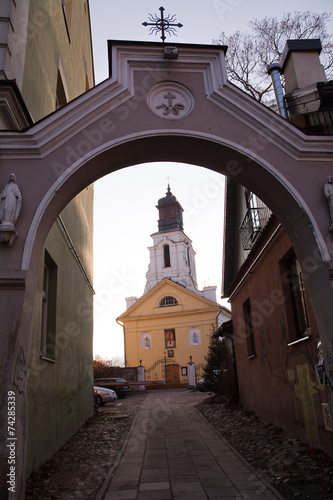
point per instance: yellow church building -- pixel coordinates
(169, 327)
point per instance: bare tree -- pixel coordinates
(250, 54)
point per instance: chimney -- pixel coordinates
(130, 301)
(308, 94)
(209, 292)
(300, 64)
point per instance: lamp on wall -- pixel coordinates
(170, 53)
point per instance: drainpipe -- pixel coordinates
(274, 71)
(217, 319)
(123, 326)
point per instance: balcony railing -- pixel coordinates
(253, 223)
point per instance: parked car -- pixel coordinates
(118, 385)
(201, 385)
(103, 396)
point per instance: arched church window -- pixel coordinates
(188, 257)
(168, 301)
(166, 255)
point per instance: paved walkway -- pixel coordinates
(173, 453)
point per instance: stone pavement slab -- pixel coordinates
(173, 453)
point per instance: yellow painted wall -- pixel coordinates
(49, 48)
(145, 316)
(60, 393)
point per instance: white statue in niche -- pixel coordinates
(328, 191)
(10, 204)
(194, 336)
(145, 341)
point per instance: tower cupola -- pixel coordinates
(170, 213)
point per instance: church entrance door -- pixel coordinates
(173, 374)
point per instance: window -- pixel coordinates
(250, 226)
(255, 219)
(67, 11)
(166, 255)
(297, 298)
(252, 206)
(61, 99)
(49, 298)
(168, 301)
(248, 320)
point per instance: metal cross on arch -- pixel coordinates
(164, 24)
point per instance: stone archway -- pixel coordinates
(156, 109)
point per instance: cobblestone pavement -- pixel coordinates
(79, 469)
(295, 469)
(173, 453)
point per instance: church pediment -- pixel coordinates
(149, 304)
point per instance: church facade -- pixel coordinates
(173, 320)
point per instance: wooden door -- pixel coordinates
(172, 374)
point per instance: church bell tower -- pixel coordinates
(172, 255)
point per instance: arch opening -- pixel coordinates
(245, 168)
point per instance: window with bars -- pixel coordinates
(168, 301)
(49, 299)
(298, 298)
(255, 219)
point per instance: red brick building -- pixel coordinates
(276, 338)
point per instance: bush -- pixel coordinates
(103, 368)
(220, 370)
(215, 365)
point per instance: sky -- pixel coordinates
(125, 201)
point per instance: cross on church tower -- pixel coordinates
(164, 24)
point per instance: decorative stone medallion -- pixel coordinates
(170, 100)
